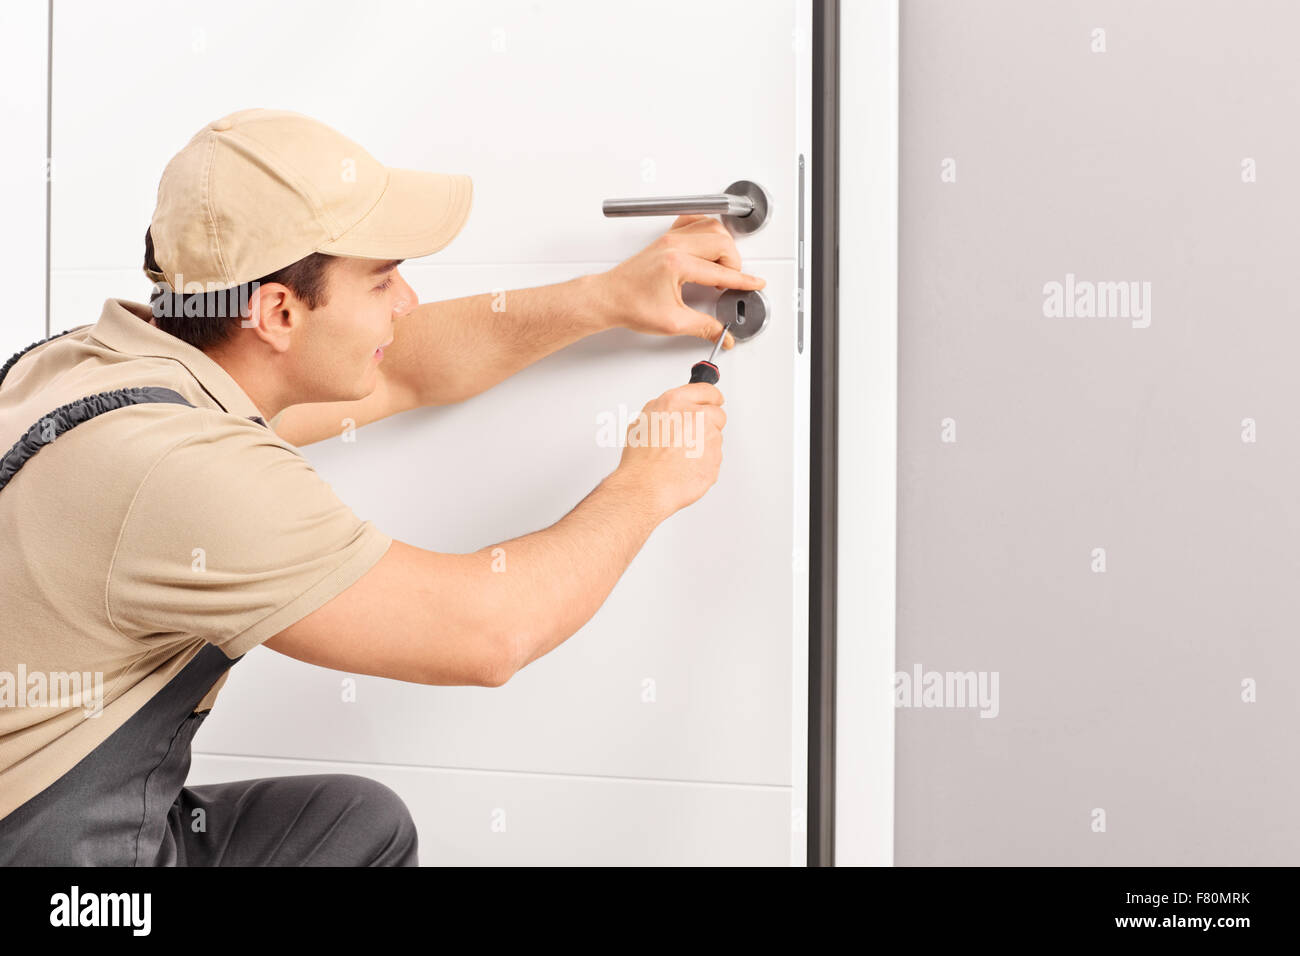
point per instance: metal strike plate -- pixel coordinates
(747, 312)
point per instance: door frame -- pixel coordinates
(853, 437)
(823, 480)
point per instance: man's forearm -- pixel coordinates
(445, 352)
(549, 583)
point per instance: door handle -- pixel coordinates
(744, 207)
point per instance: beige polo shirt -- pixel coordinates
(132, 539)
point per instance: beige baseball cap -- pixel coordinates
(259, 189)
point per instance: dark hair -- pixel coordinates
(206, 319)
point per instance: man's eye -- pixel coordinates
(384, 285)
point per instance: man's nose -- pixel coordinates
(407, 300)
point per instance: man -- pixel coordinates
(160, 521)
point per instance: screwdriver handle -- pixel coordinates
(704, 371)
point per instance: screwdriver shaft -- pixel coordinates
(717, 345)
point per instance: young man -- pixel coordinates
(161, 522)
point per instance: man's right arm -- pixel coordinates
(476, 619)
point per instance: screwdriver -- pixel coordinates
(706, 371)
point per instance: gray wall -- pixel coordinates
(1119, 690)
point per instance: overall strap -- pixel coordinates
(66, 417)
(4, 369)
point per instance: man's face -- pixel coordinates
(340, 344)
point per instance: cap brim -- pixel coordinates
(418, 214)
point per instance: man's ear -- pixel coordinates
(273, 314)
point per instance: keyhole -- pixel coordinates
(740, 312)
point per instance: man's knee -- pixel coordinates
(384, 833)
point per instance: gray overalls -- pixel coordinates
(126, 803)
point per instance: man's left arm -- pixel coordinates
(446, 352)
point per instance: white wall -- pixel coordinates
(23, 47)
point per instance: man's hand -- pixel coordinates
(644, 293)
(667, 477)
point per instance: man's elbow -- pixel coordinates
(502, 662)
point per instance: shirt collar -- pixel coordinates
(124, 327)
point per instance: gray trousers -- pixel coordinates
(126, 804)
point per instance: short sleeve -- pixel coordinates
(233, 536)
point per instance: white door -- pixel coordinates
(670, 729)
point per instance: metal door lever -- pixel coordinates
(744, 207)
